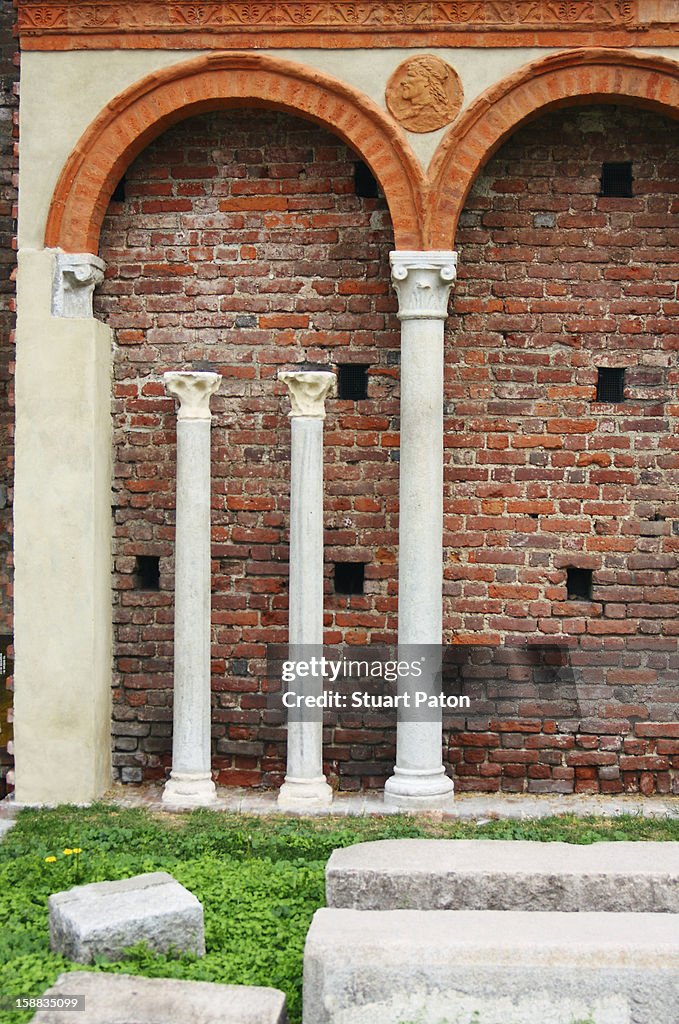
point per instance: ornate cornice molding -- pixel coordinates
(82, 24)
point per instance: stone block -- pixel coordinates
(483, 874)
(125, 999)
(490, 967)
(5, 825)
(103, 918)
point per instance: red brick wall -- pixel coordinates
(9, 100)
(555, 281)
(242, 247)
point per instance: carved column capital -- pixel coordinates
(76, 275)
(308, 390)
(194, 391)
(422, 281)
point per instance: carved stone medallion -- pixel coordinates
(424, 93)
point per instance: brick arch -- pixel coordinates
(145, 110)
(563, 79)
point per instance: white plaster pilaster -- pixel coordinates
(190, 783)
(62, 585)
(305, 785)
(422, 281)
(76, 275)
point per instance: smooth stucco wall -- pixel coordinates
(62, 553)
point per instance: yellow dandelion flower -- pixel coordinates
(68, 852)
(50, 860)
(76, 849)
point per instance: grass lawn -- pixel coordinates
(259, 879)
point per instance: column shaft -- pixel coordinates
(422, 281)
(305, 785)
(190, 783)
(191, 734)
(305, 739)
(306, 531)
(420, 569)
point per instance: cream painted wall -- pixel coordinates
(61, 94)
(62, 548)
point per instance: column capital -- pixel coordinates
(76, 275)
(422, 281)
(308, 390)
(194, 390)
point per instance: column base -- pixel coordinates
(188, 790)
(304, 794)
(419, 791)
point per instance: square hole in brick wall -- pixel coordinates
(349, 577)
(579, 584)
(365, 183)
(147, 576)
(352, 381)
(610, 384)
(119, 191)
(616, 180)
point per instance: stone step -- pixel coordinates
(104, 918)
(126, 999)
(490, 967)
(482, 874)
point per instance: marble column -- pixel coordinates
(190, 783)
(305, 786)
(422, 281)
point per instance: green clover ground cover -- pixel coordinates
(259, 880)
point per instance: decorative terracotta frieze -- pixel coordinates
(77, 24)
(45, 15)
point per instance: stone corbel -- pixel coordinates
(422, 282)
(76, 275)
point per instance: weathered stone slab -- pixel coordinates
(490, 967)
(449, 874)
(5, 825)
(124, 999)
(103, 918)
